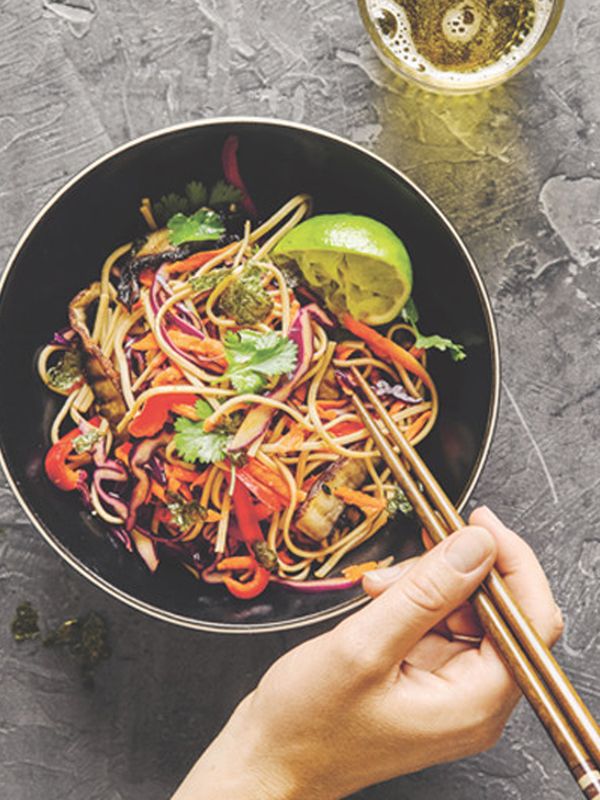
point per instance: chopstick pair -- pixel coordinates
(562, 712)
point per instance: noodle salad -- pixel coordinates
(202, 418)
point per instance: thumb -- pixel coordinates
(441, 581)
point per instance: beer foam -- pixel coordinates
(399, 45)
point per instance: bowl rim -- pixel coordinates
(341, 608)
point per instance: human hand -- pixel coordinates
(402, 684)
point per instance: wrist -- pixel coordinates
(240, 763)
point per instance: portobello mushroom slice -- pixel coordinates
(321, 509)
(100, 374)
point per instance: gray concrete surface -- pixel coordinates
(517, 171)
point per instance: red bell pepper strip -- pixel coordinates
(387, 349)
(246, 515)
(249, 589)
(156, 411)
(232, 173)
(58, 471)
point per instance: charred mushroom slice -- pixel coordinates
(100, 374)
(321, 510)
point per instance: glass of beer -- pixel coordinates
(459, 46)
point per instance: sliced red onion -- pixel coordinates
(139, 457)
(63, 337)
(157, 468)
(257, 421)
(122, 537)
(320, 315)
(156, 291)
(84, 489)
(109, 470)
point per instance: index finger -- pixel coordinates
(524, 576)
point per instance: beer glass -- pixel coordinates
(459, 46)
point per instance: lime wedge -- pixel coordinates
(358, 265)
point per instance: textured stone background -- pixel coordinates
(517, 172)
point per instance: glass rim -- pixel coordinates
(436, 85)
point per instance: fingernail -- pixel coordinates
(381, 577)
(469, 549)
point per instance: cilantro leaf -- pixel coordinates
(196, 194)
(193, 443)
(224, 194)
(457, 351)
(411, 316)
(409, 313)
(253, 357)
(203, 409)
(203, 225)
(168, 205)
(209, 280)
(246, 300)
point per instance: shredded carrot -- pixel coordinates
(355, 571)
(342, 351)
(193, 262)
(387, 349)
(417, 426)
(332, 403)
(122, 452)
(291, 440)
(365, 502)
(147, 343)
(159, 491)
(186, 475)
(178, 488)
(208, 348)
(398, 405)
(168, 376)
(300, 393)
(270, 477)
(345, 428)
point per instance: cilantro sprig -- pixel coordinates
(254, 357)
(195, 196)
(410, 315)
(204, 225)
(193, 443)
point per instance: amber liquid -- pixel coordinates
(460, 38)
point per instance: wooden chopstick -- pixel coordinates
(537, 651)
(570, 726)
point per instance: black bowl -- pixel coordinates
(62, 251)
